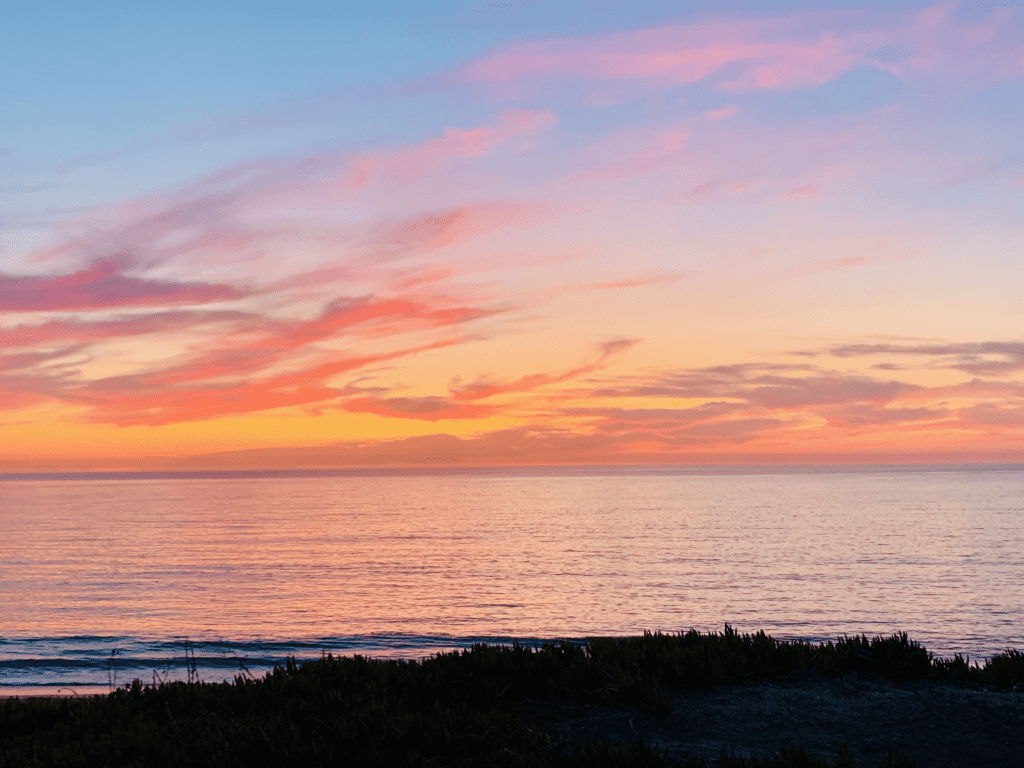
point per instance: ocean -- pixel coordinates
(109, 577)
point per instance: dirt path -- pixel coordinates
(938, 725)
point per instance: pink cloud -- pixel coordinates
(723, 113)
(28, 360)
(390, 241)
(232, 360)
(401, 166)
(254, 211)
(103, 285)
(788, 52)
(672, 55)
(452, 225)
(89, 331)
(255, 345)
(656, 153)
(378, 317)
(423, 277)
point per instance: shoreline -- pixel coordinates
(86, 665)
(53, 691)
(652, 700)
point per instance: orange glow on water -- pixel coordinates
(514, 553)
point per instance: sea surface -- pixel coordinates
(109, 577)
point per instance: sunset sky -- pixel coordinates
(329, 234)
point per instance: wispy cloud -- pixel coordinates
(274, 339)
(85, 331)
(233, 371)
(788, 52)
(430, 408)
(198, 391)
(104, 284)
(722, 113)
(987, 358)
(255, 212)
(770, 385)
(482, 389)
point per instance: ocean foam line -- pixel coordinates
(94, 645)
(95, 661)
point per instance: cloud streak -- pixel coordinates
(483, 388)
(788, 52)
(255, 212)
(104, 285)
(192, 392)
(989, 358)
(234, 373)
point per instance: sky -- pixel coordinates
(321, 234)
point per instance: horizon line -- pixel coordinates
(693, 468)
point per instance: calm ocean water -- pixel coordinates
(105, 577)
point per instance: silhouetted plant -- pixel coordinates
(460, 707)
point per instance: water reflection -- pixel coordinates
(506, 553)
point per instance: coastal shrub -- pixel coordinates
(471, 707)
(799, 757)
(691, 659)
(1006, 670)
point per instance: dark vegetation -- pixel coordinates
(463, 708)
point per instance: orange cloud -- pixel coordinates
(532, 444)
(187, 394)
(232, 371)
(750, 412)
(480, 390)
(674, 55)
